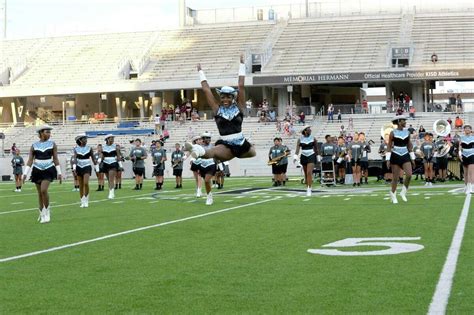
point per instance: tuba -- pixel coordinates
(441, 128)
(386, 129)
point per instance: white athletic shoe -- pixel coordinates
(47, 215)
(86, 201)
(40, 217)
(111, 193)
(427, 184)
(309, 191)
(393, 197)
(195, 149)
(19, 190)
(82, 202)
(209, 200)
(403, 193)
(198, 192)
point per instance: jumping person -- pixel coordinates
(428, 148)
(195, 166)
(112, 161)
(17, 164)
(82, 167)
(44, 159)
(466, 154)
(177, 158)
(138, 156)
(400, 157)
(229, 114)
(207, 168)
(99, 172)
(159, 157)
(308, 146)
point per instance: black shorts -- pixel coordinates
(400, 159)
(237, 150)
(355, 163)
(209, 170)
(442, 162)
(178, 172)
(468, 160)
(158, 171)
(139, 171)
(304, 160)
(385, 169)
(326, 166)
(49, 174)
(279, 169)
(81, 171)
(110, 167)
(17, 170)
(195, 167)
(364, 165)
(428, 160)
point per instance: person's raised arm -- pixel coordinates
(207, 90)
(241, 94)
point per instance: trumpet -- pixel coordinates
(175, 163)
(277, 159)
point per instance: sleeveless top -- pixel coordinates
(43, 154)
(83, 155)
(110, 153)
(467, 145)
(229, 123)
(400, 141)
(307, 145)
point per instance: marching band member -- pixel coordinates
(342, 159)
(428, 149)
(82, 167)
(387, 174)
(328, 153)
(112, 161)
(400, 156)
(44, 159)
(277, 156)
(355, 155)
(229, 114)
(159, 157)
(138, 156)
(309, 148)
(17, 164)
(195, 166)
(364, 160)
(177, 158)
(466, 154)
(442, 158)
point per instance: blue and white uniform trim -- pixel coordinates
(83, 156)
(467, 145)
(43, 154)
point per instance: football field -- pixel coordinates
(257, 249)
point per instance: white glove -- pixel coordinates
(319, 158)
(295, 157)
(387, 156)
(74, 167)
(99, 160)
(339, 160)
(412, 156)
(120, 164)
(97, 168)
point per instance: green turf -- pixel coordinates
(248, 260)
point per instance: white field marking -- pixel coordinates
(228, 201)
(66, 205)
(457, 190)
(414, 194)
(238, 197)
(117, 202)
(374, 195)
(191, 201)
(306, 199)
(145, 198)
(53, 249)
(325, 196)
(443, 288)
(17, 203)
(347, 199)
(266, 196)
(386, 198)
(253, 197)
(427, 197)
(156, 201)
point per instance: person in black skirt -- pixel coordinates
(82, 167)
(44, 165)
(17, 164)
(112, 162)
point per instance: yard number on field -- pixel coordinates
(395, 246)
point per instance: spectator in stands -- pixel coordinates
(411, 130)
(421, 132)
(401, 99)
(248, 106)
(389, 105)
(412, 112)
(13, 149)
(195, 115)
(263, 116)
(157, 124)
(302, 119)
(406, 101)
(399, 110)
(351, 123)
(356, 108)
(189, 107)
(365, 106)
(342, 131)
(458, 104)
(177, 113)
(449, 120)
(339, 116)
(272, 115)
(331, 113)
(458, 123)
(452, 103)
(265, 105)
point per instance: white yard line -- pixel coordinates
(443, 288)
(57, 248)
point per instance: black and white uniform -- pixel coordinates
(428, 149)
(207, 166)
(43, 164)
(467, 149)
(400, 154)
(195, 165)
(307, 150)
(17, 163)
(177, 158)
(83, 160)
(229, 123)
(110, 158)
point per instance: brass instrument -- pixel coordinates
(175, 163)
(386, 129)
(441, 127)
(442, 151)
(275, 160)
